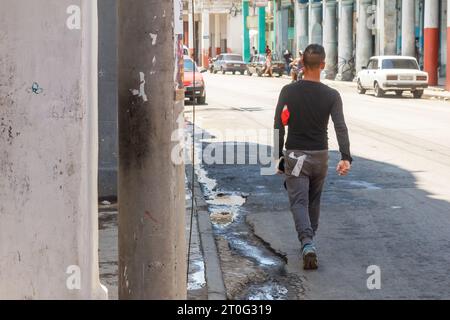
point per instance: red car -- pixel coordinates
(191, 69)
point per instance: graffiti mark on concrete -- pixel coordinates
(141, 92)
(149, 216)
(36, 88)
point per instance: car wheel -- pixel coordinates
(418, 94)
(399, 93)
(360, 89)
(242, 73)
(249, 73)
(259, 73)
(378, 91)
(214, 71)
(201, 100)
(223, 71)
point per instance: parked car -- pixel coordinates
(191, 69)
(229, 63)
(392, 73)
(258, 63)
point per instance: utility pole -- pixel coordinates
(152, 249)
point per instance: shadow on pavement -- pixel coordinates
(375, 216)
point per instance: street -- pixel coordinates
(391, 212)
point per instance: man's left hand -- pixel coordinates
(343, 167)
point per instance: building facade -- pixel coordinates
(215, 27)
(354, 30)
(350, 30)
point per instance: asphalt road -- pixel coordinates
(393, 211)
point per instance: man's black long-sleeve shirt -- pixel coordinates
(306, 106)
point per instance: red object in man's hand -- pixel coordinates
(285, 115)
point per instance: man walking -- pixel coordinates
(306, 107)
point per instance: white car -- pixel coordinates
(392, 73)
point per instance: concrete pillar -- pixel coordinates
(408, 28)
(282, 31)
(275, 25)
(330, 37)
(246, 33)
(48, 150)
(191, 30)
(301, 25)
(262, 29)
(431, 45)
(206, 39)
(364, 46)
(447, 83)
(315, 22)
(387, 27)
(443, 40)
(419, 31)
(345, 42)
(217, 35)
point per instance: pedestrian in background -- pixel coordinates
(306, 107)
(254, 53)
(268, 70)
(288, 60)
(297, 68)
(268, 51)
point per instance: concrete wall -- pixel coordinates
(107, 103)
(48, 150)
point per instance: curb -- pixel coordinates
(213, 272)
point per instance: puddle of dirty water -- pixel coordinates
(268, 291)
(197, 279)
(223, 199)
(252, 252)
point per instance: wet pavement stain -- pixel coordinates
(251, 270)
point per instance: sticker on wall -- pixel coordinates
(35, 88)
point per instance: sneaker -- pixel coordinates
(310, 261)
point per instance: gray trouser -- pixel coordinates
(305, 190)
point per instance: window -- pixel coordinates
(291, 17)
(189, 65)
(400, 64)
(373, 65)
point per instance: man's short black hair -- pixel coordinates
(313, 56)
